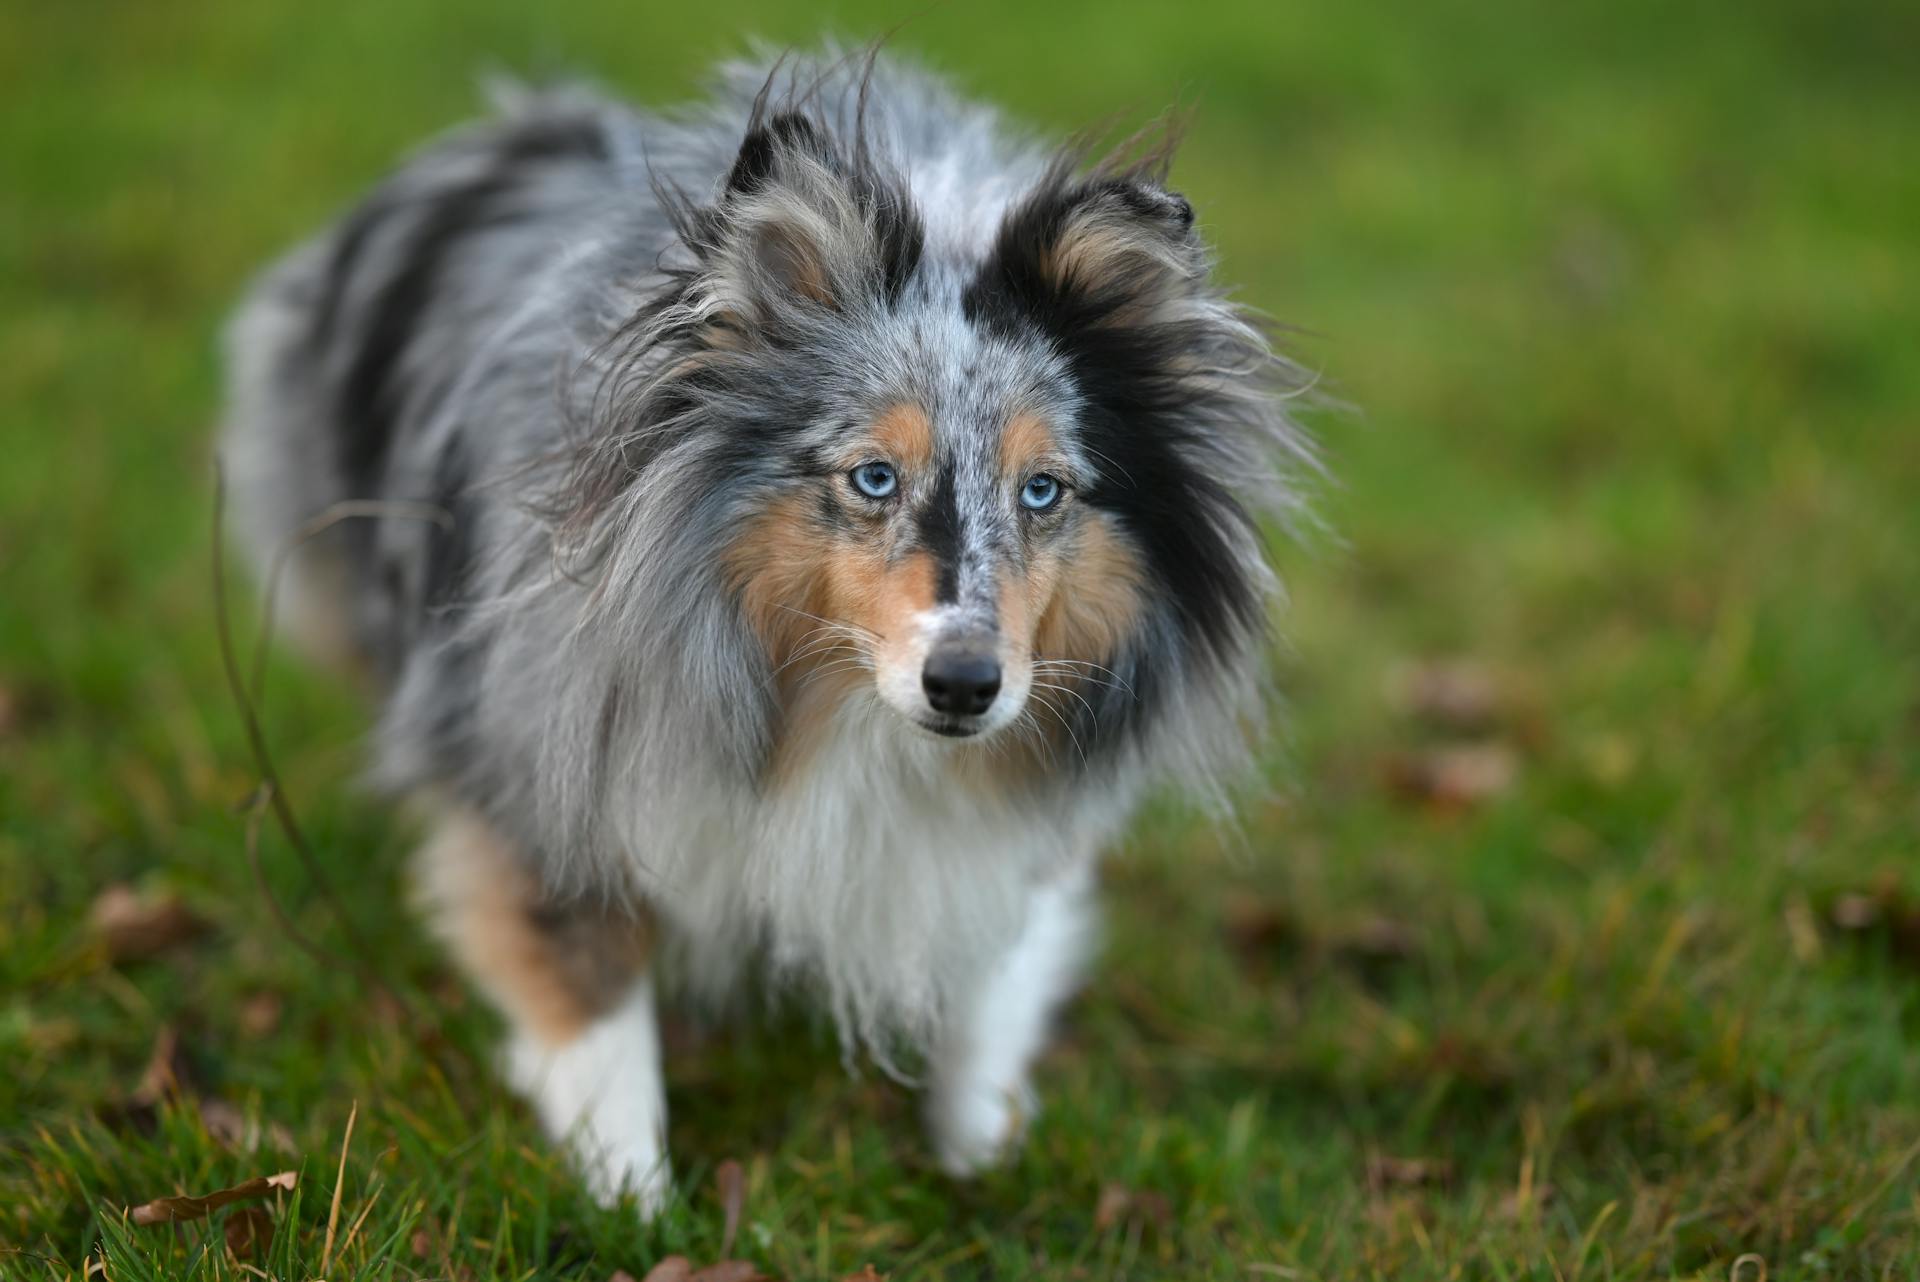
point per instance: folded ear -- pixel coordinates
(1098, 251)
(799, 227)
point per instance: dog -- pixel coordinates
(785, 539)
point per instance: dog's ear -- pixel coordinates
(1106, 251)
(798, 227)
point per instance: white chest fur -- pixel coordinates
(875, 878)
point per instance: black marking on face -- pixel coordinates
(940, 534)
(1138, 409)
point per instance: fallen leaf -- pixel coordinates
(731, 1182)
(1516, 1204)
(1855, 912)
(260, 1014)
(866, 1274)
(730, 1271)
(1385, 1172)
(167, 1071)
(249, 1232)
(234, 1129)
(1886, 911)
(1453, 694)
(1378, 938)
(1258, 927)
(1118, 1202)
(132, 928)
(22, 709)
(675, 1268)
(1391, 1213)
(1455, 777)
(165, 1210)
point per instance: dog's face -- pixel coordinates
(953, 568)
(987, 475)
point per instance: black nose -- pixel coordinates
(961, 682)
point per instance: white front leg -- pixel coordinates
(603, 1095)
(979, 1098)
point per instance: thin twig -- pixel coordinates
(275, 795)
(256, 814)
(326, 519)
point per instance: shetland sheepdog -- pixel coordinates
(786, 537)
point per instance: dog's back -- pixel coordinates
(350, 353)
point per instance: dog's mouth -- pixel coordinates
(952, 727)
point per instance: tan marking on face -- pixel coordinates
(796, 579)
(903, 434)
(1076, 600)
(775, 565)
(862, 589)
(554, 969)
(1026, 441)
(1096, 599)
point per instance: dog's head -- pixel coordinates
(997, 470)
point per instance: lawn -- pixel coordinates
(1575, 932)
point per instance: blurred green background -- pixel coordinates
(1578, 935)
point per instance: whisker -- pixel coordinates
(1066, 690)
(1115, 681)
(853, 628)
(1064, 725)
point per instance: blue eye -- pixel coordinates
(1040, 492)
(875, 480)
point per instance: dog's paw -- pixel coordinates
(612, 1125)
(977, 1125)
(611, 1173)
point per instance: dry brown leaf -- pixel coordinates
(131, 927)
(730, 1271)
(234, 1129)
(1257, 927)
(1118, 1202)
(1885, 910)
(867, 1273)
(1855, 912)
(1379, 938)
(619, 1275)
(675, 1268)
(166, 1072)
(22, 708)
(249, 1232)
(260, 1014)
(731, 1182)
(1385, 1172)
(1520, 1203)
(1453, 694)
(166, 1210)
(1454, 777)
(1392, 1212)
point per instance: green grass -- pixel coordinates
(1627, 295)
